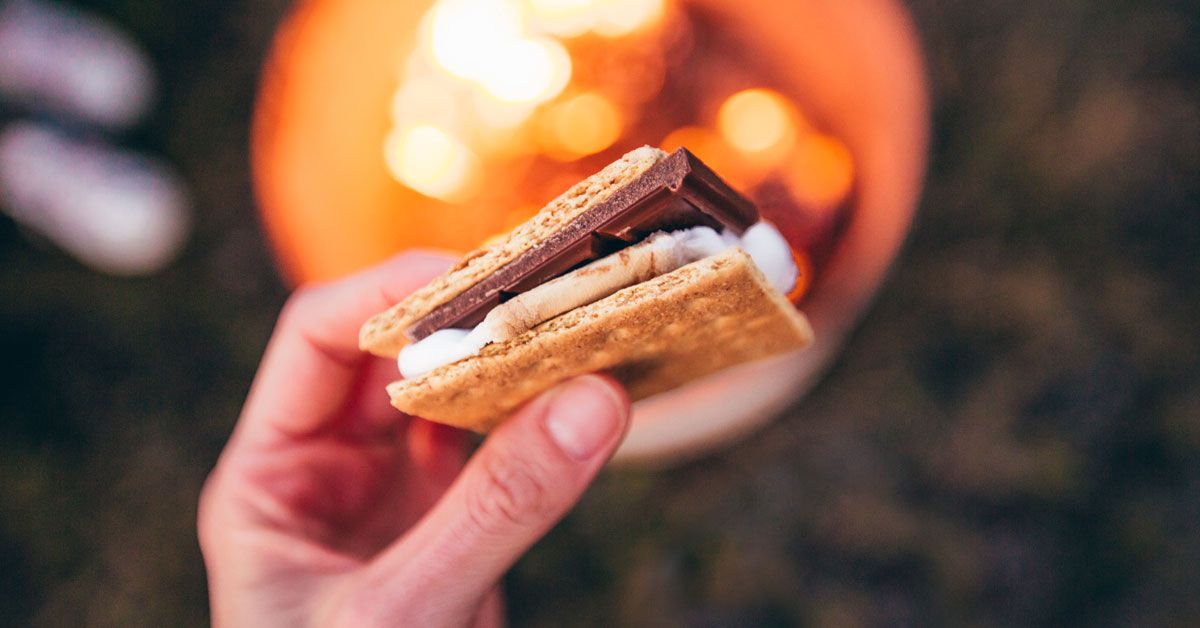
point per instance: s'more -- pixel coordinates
(653, 270)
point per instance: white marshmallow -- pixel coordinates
(772, 255)
(438, 349)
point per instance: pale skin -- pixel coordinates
(330, 508)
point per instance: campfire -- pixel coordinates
(495, 94)
(496, 106)
(385, 125)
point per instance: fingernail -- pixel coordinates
(584, 415)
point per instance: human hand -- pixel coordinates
(329, 508)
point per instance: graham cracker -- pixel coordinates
(385, 334)
(653, 336)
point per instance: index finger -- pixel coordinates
(313, 364)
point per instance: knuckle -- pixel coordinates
(513, 493)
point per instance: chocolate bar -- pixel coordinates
(676, 193)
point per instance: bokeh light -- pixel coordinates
(622, 17)
(583, 125)
(430, 161)
(424, 99)
(821, 171)
(464, 34)
(527, 70)
(607, 18)
(758, 121)
(564, 18)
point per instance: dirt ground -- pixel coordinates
(1011, 438)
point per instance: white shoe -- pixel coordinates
(118, 212)
(60, 59)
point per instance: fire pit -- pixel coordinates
(385, 125)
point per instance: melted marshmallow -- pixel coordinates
(763, 242)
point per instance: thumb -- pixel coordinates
(524, 478)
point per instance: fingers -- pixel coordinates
(313, 360)
(491, 612)
(436, 454)
(522, 480)
(436, 451)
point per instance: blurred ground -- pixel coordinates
(1012, 437)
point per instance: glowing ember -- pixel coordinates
(483, 71)
(581, 126)
(423, 99)
(608, 18)
(757, 121)
(527, 70)
(821, 172)
(804, 278)
(565, 18)
(622, 17)
(430, 161)
(463, 33)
